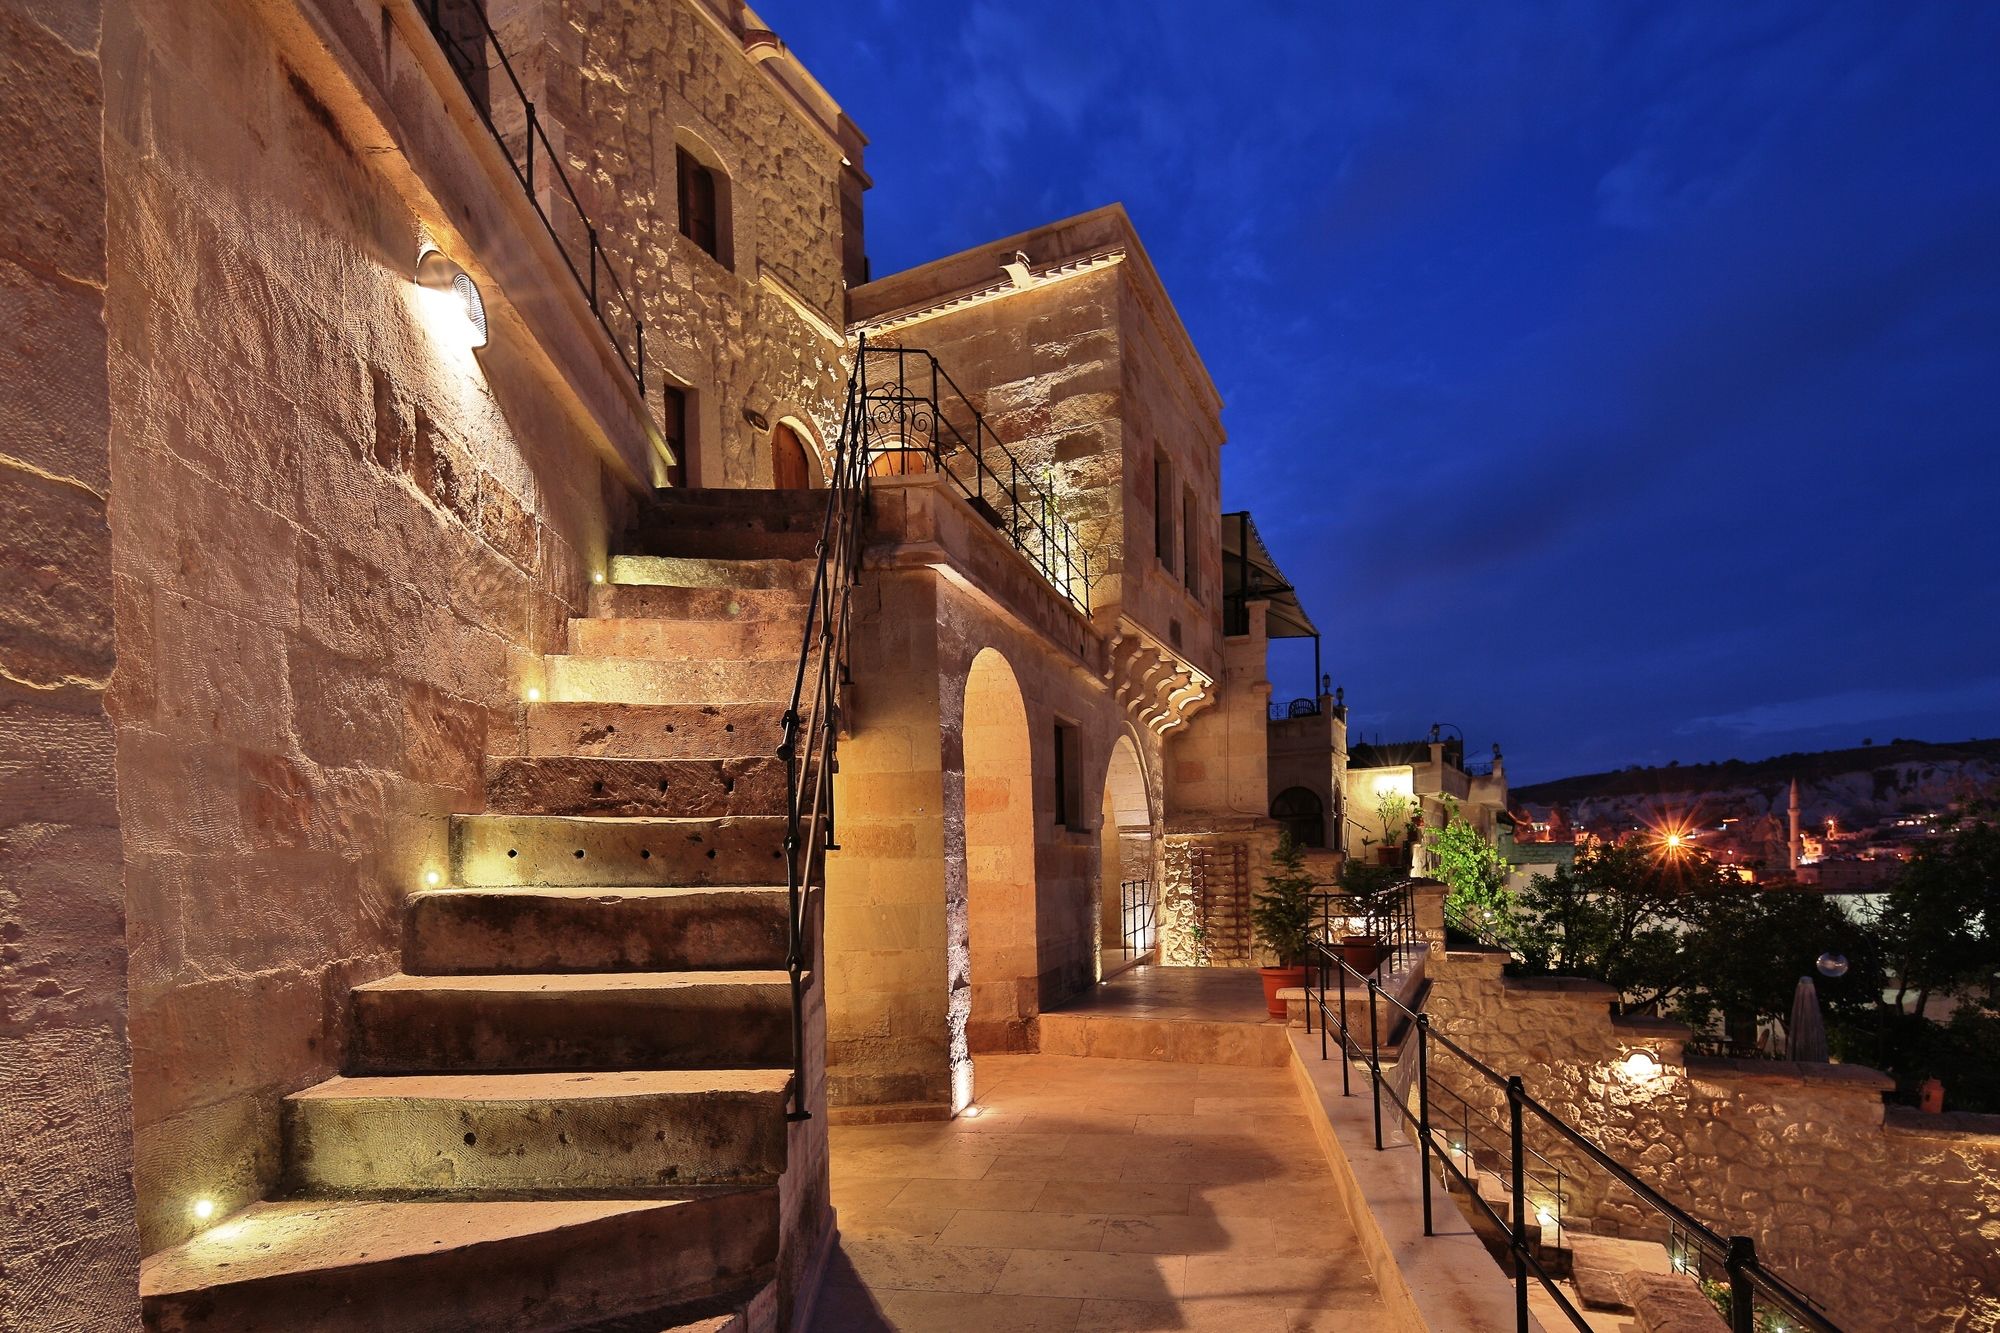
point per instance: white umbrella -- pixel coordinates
(1805, 1034)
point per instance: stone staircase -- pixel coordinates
(568, 1112)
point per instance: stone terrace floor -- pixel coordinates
(1097, 1195)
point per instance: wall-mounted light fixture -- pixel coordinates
(1641, 1066)
(435, 273)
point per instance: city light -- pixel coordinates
(203, 1209)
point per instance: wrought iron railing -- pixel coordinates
(1753, 1299)
(1296, 708)
(813, 717)
(921, 421)
(473, 50)
(1485, 929)
(1387, 920)
(1136, 922)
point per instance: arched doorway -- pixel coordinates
(1003, 945)
(1127, 895)
(1303, 814)
(791, 462)
(895, 459)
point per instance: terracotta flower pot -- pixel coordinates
(1363, 953)
(1277, 979)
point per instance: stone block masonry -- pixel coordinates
(338, 543)
(69, 1247)
(1891, 1220)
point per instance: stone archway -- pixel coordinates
(1001, 927)
(1128, 897)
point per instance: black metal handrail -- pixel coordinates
(1388, 917)
(926, 423)
(1136, 923)
(467, 54)
(1296, 708)
(1486, 931)
(812, 718)
(1693, 1247)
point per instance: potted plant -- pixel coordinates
(1282, 917)
(1394, 809)
(1365, 886)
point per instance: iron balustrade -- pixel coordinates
(1388, 917)
(921, 421)
(1755, 1300)
(1136, 921)
(1296, 708)
(1482, 927)
(812, 719)
(466, 37)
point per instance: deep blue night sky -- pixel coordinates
(1618, 381)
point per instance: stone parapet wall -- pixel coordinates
(1892, 1222)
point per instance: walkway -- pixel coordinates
(1097, 1195)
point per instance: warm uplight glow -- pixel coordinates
(971, 1112)
(534, 695)
(1545, 1217)
(598, 577)
(1642, 1066)
(204, 1209)
(1674, 841)
(454, 300)
(432, 878)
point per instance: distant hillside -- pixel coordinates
(1860, 784)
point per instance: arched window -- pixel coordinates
(1303, 814)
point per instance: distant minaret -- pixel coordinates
(1796, 842)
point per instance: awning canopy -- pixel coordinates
(1249, 574)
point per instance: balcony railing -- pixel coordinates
(474, 52)
(1453, 1113)
(1296, 708)
(919, 420)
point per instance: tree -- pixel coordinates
(1621, 915)
(1282, 914)
(1470, 866)
(1941, 922)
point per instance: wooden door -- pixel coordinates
(789, 469)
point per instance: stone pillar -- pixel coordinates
(1427, 899)
(69, 1246)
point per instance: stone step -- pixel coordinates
(734, 605)
(457, 931)
(587, 852)
(628, 680)
(654, 731)
(683, 640)
(565, 1134)
(748, 540)
(683, 788)
(407, 1024)
(537, 1266)
(645, 569)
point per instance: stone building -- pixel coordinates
(420, 424)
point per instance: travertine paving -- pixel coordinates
(1094, 1194)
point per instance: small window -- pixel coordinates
(1069, 776)
(1188, 543)
(700, 200)
(673, 425)
(1163, 509)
